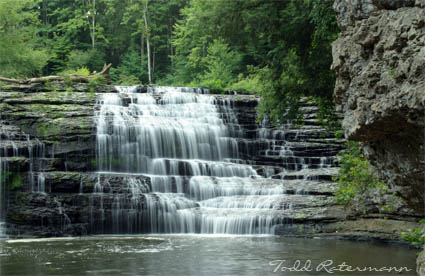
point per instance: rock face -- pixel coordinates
(420, 264)
(379, 60)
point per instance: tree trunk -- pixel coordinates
(76, 78)
(94, 23)
(145, 11)
(142, 48)
(142, 45)
(153, 60)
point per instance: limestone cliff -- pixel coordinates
(379, 60)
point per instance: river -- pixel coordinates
(199, 255)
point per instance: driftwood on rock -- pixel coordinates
(73, 77)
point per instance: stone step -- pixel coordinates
(290, 152)
(276, 202)
(291, 166)
(196, 187)
(15, 164)
(325, 161)
(201, 187)
(292, 135)
(325, 174)
(9, 148)
(314, 214)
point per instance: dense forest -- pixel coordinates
(278, 49)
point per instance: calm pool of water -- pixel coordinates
(200, 255)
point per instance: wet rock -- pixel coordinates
(358, 229)
(420, 264)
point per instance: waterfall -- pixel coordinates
(14, 144)
(3, 183)
(3, 170)
(186, 142)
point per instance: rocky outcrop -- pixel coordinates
(420, 264)
(379, 60)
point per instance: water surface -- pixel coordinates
(195, 255)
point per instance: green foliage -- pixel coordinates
(132, 68)
(69, 91)
(60, 49)
(96, 81)
(78, 59)
(12, 178)
(67, 80)
(42, 36)
(161, 16)
(96, 60)
(127, 80)
(339, 134)
(83, 71)
(327, 117)
(4, 176)
(276, 111)
(250, 83)
(16, 182)
(93, 164)
(416, 236)
(355, 176)
(20, 56)
(288, 42)
(92, 60)
(221, 64)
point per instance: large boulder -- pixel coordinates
(379, 60)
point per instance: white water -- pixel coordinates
(178, 137)
(3, 169)
(14, 143)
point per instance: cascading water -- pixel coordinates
(14, 144)
(184, 143)
(3, 183)
(3, 170)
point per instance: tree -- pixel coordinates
(287, 43)
(91, 14)
(20, 55)
(148, 47)
(221, 65)
(154, 31)
(141, 25)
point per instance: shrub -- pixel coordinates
(339, 134)
(250, 83)
(416, 236)
(127, 80)
(355, 176)
(96, 81)
(83, 71)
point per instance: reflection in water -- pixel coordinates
(193, 255)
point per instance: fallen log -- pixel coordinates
(73, 77)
